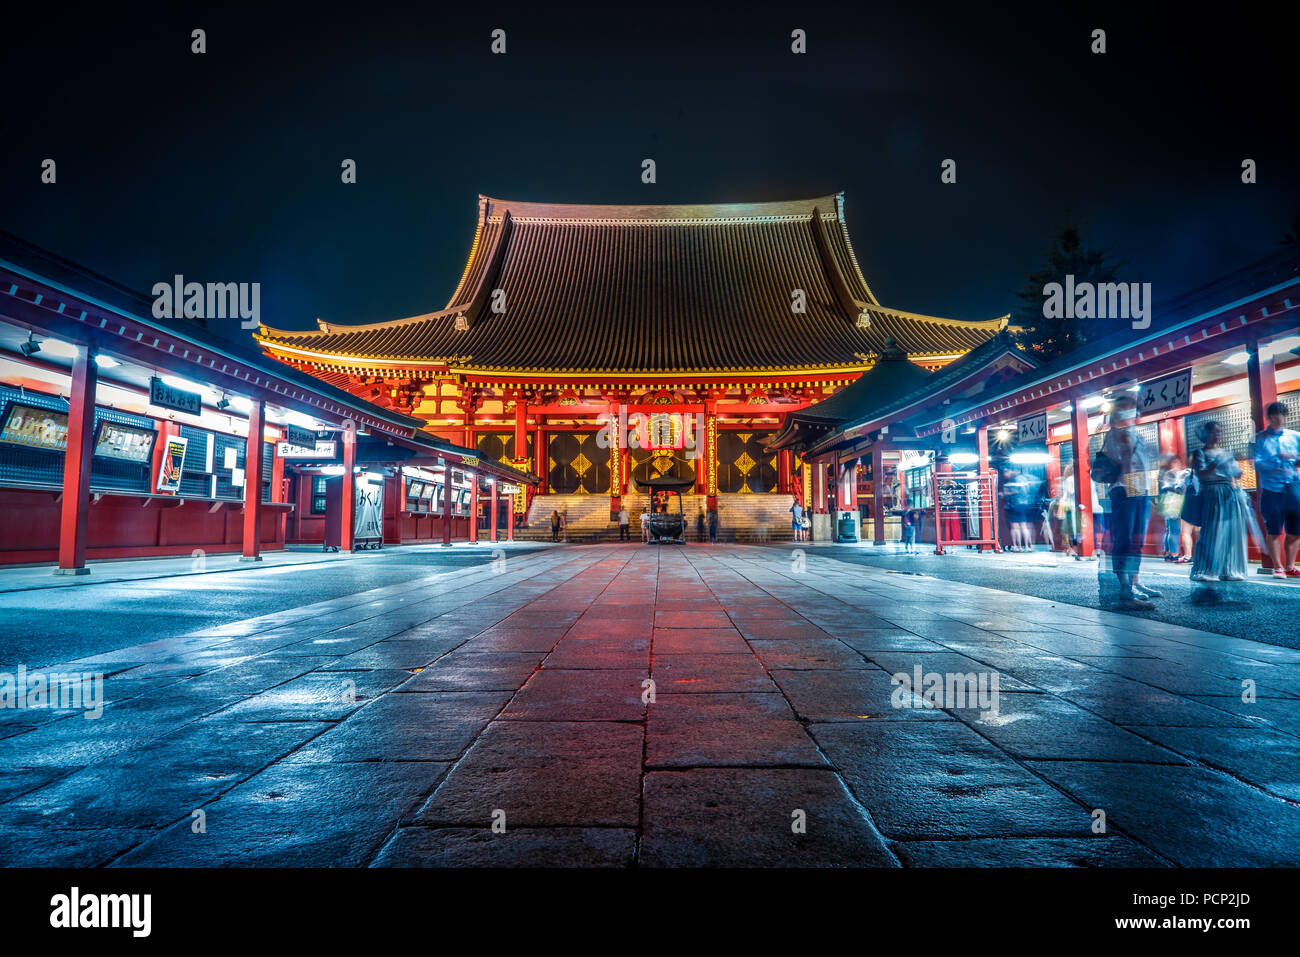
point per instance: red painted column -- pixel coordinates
(1082, 475)
(877, 494)
(446, 506)
(495, 483)
(75, 518)
(521, 428)
(277, 494)
(349, 497)
(473, 507)
(253, 483)
(1262, 382)
(540, 453)
(616, 453)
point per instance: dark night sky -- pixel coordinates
(225, 167)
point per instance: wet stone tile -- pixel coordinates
(544, 774)
(726, 730)
(296, 815)
(417, 846)
(939, 779)
(756, 818)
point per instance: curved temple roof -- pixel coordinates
(645, 289)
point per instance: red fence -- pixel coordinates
(965, 509)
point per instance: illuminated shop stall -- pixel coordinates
(1221, 352)
(123, 435)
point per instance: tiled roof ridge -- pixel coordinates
(655, 214)
(997, 324)
(325, 329)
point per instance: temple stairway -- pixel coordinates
(741, 517)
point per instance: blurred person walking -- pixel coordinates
(1220, 554)
(1067, 513)
(1172, 483)
(1127, 461)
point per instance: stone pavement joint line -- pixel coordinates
(623, 705)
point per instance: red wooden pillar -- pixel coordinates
(1167, 435)
(348, 502)
(1082, 475)
(521, 428)
(877, 494)
(75, 517)
(446, 506)
(990, 515)
(711, 453)
(1262, 382)
(277, 495)
(539, 456)
(473, 507)
(495, 482)
(616, 453)
(253, 483)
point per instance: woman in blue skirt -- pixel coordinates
(1220, 554)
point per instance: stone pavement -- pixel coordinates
(396, 725)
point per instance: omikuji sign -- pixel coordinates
(1032, 429)
(1167, 392)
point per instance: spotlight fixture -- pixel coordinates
(31, 346)
(223, 403)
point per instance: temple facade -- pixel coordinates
(699, 328)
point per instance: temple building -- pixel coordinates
(704, 326)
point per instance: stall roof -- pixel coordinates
(56, 297)
(1183, 328)
(893, 387)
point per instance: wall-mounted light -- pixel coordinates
(31, 346)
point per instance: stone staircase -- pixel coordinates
(741, 517)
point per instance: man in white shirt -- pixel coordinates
(624, 520)
(645, 525)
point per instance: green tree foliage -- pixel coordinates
(1046, 339)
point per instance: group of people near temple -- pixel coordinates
(1208, 517)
